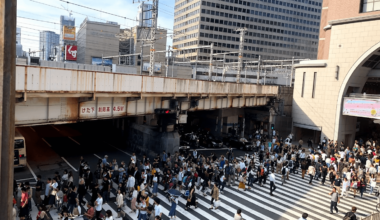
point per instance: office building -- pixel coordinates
(97, 39)
(67, 21)
(276, 29)
(49, 40)
(144, 14)
(338, 95)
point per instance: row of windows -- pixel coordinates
(317, 4)
(186, 15)
(370, 5)
(196, 4)
(186, 22)
(257, 27)
(182, 3)
(250, 41)
(259, 13)
(194, 35)
(192, 28)
(256, 20)
(191, 43)
(260, 6)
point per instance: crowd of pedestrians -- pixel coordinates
(349, 169)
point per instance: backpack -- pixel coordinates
(283, 171)
(348, 216)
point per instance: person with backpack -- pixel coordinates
(284, 171)
(350, 215)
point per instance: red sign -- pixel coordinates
(71, 52)
(87, 110)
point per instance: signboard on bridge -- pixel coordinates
(368, 108)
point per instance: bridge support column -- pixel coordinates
(7, 102)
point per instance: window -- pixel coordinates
(370, 5)
(303, 83)
(314, 82)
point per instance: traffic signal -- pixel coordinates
(163, 111)
(272, 127)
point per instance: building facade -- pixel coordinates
(276, 29)
(96, 40)
(347, 71)
(49, 40)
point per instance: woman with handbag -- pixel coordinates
(174, 202)
(214, 195)
(242, 181)
(42, 213)
(355, 184)
(119, 203)
(134, 198)
(191, 200)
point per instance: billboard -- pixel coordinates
(362, 108)
(68, 33)
(98, 61)
(157, 67)
(71, 52)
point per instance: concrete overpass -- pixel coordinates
(47, 95)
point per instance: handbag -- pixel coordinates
(354, 185)
(217, 203)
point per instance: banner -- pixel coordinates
(68, 33)
(362, 108)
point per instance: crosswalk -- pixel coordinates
(290, 201)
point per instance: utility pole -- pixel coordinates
(153, 35)
(258, 71)
(240, 57)
(291, 73)
(141, 57)
(167, 63)
(8, 13)
(210, 68)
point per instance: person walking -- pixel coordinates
(363, 186)
(337, 183)
(238, 215)
(351, 215)
(174, 202)
(214, 195)
(242, 180)
(303, 167)
(324, 170)
(345, 186)
(372, 183)
(304, 216)
(355, 184)
(191, 199)
(134, 200)
(98, 206)
(311, 172)
(155, 184)
(334, 201)
(143, 209)
(120, 204)
(272, 179)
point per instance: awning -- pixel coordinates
(311, 127)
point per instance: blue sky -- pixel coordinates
(33, 10)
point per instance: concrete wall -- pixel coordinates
(351, 45)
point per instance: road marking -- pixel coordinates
(74, 140)
(46, 142)
(209, 149)
(69, 164)
(32, 129)
(55, 127)
(119, 149)
(30, 169)
(97, 156)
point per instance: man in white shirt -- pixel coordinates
(272, 179)
(195, 154)
(242, 165)
(98, 205)
(222, 182)
(157, 207)
(323, 155)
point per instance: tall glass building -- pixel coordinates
(276, 29)
(48, 41)
(143, 14)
